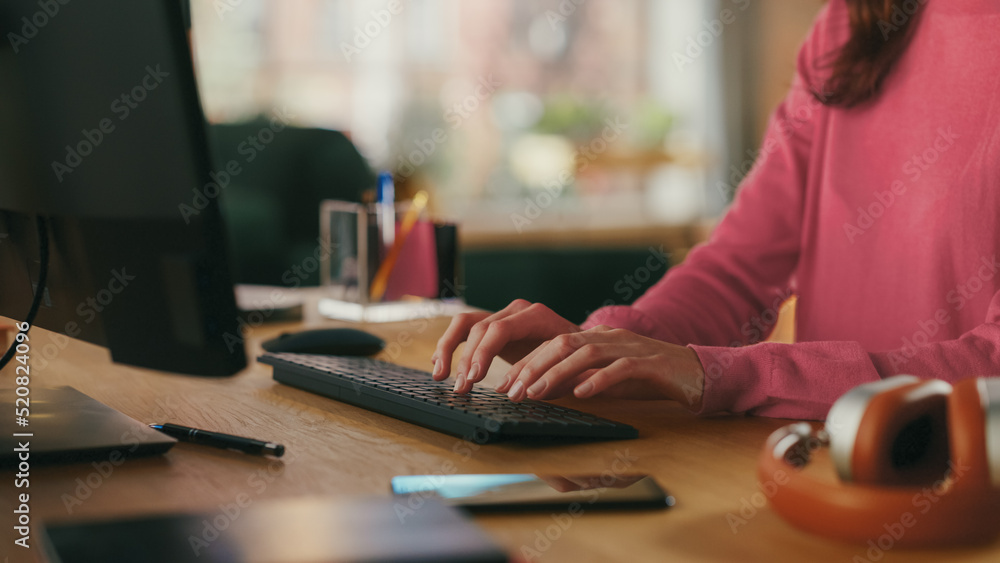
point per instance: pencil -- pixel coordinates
(381, 280)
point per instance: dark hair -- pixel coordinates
(880, 32)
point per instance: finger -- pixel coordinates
(587, 357)
(475, 336)
(498, 335)
(582, 483)
(618, 371)
(556, 390)
(539, 364)
(561, 484)
(564, 388)
(456, 333)
(560, 348)
(511, 374)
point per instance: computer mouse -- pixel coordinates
(329, 341)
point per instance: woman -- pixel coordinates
(875, 201)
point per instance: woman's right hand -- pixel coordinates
(510, 334)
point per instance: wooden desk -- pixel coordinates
(338, 450)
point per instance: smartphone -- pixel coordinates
(516, 492)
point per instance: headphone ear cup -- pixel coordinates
(897, 427)
(902, 439)
(967, 421)
(919, 516)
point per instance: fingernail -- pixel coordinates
(537, 388)
(503, 384)
(459, 381)
(584, 390)
(515, 391)
(474, 373)
(438, 367)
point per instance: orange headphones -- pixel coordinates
(919, 463)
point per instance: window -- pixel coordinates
(553, 112)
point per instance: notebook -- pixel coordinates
(65, 426)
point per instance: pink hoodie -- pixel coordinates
(881, 218)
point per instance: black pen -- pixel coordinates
(218, 440)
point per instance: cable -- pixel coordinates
(43, 274)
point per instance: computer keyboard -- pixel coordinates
(481, 416)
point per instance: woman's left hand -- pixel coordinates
(611, 362)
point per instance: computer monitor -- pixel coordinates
(102, 135)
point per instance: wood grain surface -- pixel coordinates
(337, 451)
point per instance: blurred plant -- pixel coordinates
(582, 120)
(573, 118)
(650, 123)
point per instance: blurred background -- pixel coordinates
(573, 135)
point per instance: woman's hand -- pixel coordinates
(511, 334)
(606, 361)
(552, 358)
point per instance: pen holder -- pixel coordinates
(424, 266)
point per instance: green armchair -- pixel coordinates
(271, 207)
